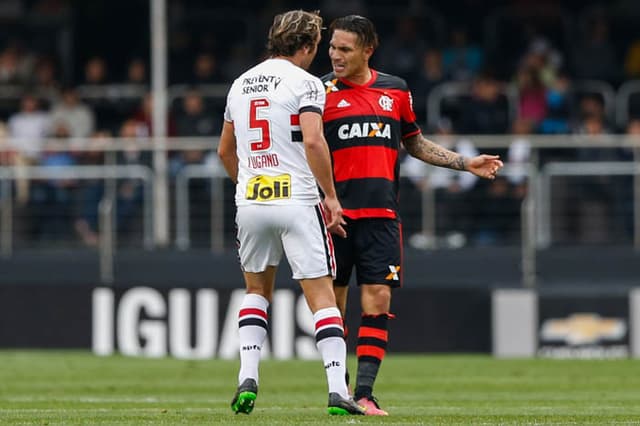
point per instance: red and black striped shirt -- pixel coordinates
(364, 126)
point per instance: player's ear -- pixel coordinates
(368, 51)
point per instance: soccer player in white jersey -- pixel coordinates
(273, 147)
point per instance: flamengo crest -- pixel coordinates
(386, 103)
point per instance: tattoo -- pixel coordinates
(432, 153)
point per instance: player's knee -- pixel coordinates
(376, 299)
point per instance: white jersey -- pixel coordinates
(264, 105)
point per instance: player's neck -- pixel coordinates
(361, 77)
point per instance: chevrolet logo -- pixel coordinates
(583, 328)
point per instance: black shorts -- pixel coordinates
(374, 247)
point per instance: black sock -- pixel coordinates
(372, 345)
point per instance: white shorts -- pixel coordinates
(266, 231)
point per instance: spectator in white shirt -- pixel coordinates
(70, 112)
(29, 127)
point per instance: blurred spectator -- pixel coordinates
(573, 198)
(595, 58)
(206, 70)
(129, 193)
(430, 75)
(16, 65)
(519, 152)
(453, 194)
(532, 102)
(113, 104)
(137, 72)
(73, 114)
(92, 191)
(95, 71)
(544, 59)
(194, 119)
(51, 200)
(497, 213)
(45, 75)
(594, 196)
(487, 111)
(28, 127)
(9, 73)
(518, 159)
(557, 119)
(461, 60)
(590, 106)
(144, 117)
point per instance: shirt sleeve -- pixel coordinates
(227, 114)
(312, 95)
(408, 116)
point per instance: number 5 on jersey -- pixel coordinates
(261, 124)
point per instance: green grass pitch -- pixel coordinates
(78, 388)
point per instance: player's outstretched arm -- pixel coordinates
(485, 166)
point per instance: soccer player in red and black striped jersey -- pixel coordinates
(368, 115)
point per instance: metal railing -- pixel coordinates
(614, 104)
(107, 239)
(535, 209)
(106, 206)
(590, 168)
(456, 89)
(216, 175)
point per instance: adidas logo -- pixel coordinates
(343, 104)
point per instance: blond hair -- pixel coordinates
(293, 30)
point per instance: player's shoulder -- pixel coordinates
(332, 83)
(388, 81)
(328, 77)
(296, 76)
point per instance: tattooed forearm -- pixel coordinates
(432, 153)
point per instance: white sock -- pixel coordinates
(252, 329)
(330, 342)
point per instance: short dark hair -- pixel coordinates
(359, 25)
(292, 31)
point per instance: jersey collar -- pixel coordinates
(374, 76)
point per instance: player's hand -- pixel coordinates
(335, 220)
(485, 166)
